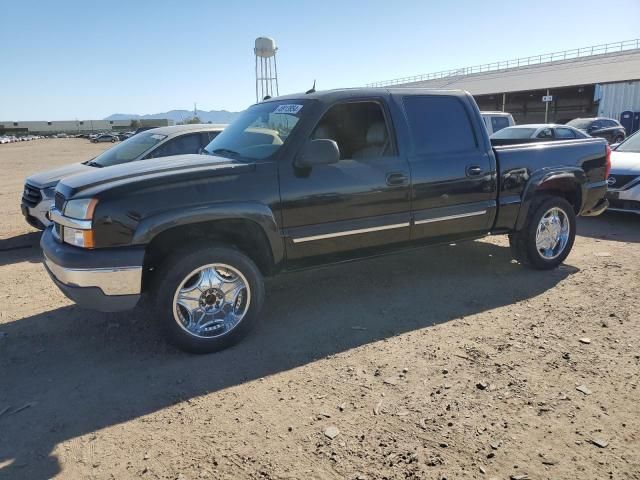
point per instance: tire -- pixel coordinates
(113, 140)
(618, 139)
(179, 268)
(523, 243)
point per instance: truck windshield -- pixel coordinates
(131, 149)
(259, 131)
(514, 133)
(631, 145)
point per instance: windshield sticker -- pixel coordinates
(157, 136)
(291, 109)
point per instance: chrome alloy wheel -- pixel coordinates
(211, 301)
(552, 234)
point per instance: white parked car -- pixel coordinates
(39, 189)
(496, 121)
(624, 180)
(4, 140)
(536, 132)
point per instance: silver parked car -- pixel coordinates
(105, 137)
(38, 194)
(623, 192)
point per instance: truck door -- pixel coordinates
(362, 200)
(452, 167)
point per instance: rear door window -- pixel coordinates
(498, 123)
(565, 133)
(439, 124)
(184, 144)
(545, 133)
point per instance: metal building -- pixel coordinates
(602, 80)
(76, 126)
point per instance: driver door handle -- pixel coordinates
(474, 170)
(395, 179)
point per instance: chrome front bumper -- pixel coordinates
(107, 280)
(112, 280)
(625, 200)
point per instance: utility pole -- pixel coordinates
(546, 109)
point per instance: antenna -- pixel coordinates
(265, 51)
(313, 89)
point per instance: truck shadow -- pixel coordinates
(80, 371)
(21, 248)
(615, 226)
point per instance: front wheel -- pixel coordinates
(209, 298)
(547, 238)
(618, 139)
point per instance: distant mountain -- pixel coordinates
(213, 116)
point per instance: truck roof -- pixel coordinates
(346, 93)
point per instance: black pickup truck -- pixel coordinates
(304, 180)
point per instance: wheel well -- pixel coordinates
(245, 235)
(565, 188)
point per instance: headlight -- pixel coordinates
(76, 224)
(77, 237)
(81, 208)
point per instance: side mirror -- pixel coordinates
(321, 151)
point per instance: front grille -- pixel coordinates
(620, 181)
(59, 202)
(31, 195)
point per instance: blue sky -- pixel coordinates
(78, 59)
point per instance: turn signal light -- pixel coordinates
(79, 238)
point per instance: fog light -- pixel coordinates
(79, 238)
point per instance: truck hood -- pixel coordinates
(51, 177)
(100, 179)
(625, 163)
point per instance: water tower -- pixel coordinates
(266, 68)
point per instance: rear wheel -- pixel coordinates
(547, 238)
(209, 298)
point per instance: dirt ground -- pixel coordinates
(444, 363)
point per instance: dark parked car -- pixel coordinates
(105, 137)
(350, 173)
(606, 128)
(37, 197)
(541, 132)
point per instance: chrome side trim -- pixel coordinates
(112, 281)
(56, 216)
(450, 217)
(613, 209)
(350, 232)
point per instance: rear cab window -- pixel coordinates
(439, 124)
